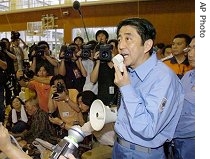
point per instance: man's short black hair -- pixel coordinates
(43, 43)
(79, 37)
(56, 77)
(102, 32)
(88, 97)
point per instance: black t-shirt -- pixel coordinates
(107, 90)
(10, 64)
(74, 78)
(3, 74)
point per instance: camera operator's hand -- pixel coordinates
(33, 53)
(78, 54)
(53, 90)
(96, 55)
(19, 74)
(60, 96)
(63, 96)
(46, 53)
(62, 55)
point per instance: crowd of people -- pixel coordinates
(154, 95)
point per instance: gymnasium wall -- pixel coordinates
(169, 17)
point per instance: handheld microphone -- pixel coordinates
(76, 6)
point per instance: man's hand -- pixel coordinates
(121, 79)
(4, 138)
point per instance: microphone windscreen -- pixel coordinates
(76, 5)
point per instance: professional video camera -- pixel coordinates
(15, 35)
(39, 51)
(105, 52)
(68, 144)
(60, 88)
(86, 51)
(68, 51)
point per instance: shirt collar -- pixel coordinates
(144, 69)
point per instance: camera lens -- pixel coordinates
(104, 54)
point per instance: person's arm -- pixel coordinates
(8, 148)
(24, 44)
(94, 73)
(33, 64)
(53, 61)
(62, 68)
(64, 96)
(81, 67)
(11, 55)
(51, 104)
(44, 80)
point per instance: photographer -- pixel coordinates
(103, 71)
(40, 54)
(11, 87)
(71, 67)
(63, 101)
(11, 151)
(17, 50)
(87, 55)
(3, 67)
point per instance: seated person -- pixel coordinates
(62, 100)
(40, 83)
(105, 137)
(40, 126)
(12, 152)
(17, 120)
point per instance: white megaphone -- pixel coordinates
(101, 114)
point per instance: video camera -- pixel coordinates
(15, 35)
(68, 51)
(105, 52)
(68, 144)
(39, 51)
(86, 51)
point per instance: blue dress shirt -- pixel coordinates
(186, 124)
(151, 104)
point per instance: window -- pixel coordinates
(92, 31)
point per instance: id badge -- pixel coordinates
(111, 90)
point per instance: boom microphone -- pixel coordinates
(76, 6)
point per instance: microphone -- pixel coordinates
(76, 6)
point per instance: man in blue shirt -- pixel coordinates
(151, 95)
(184, 137)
